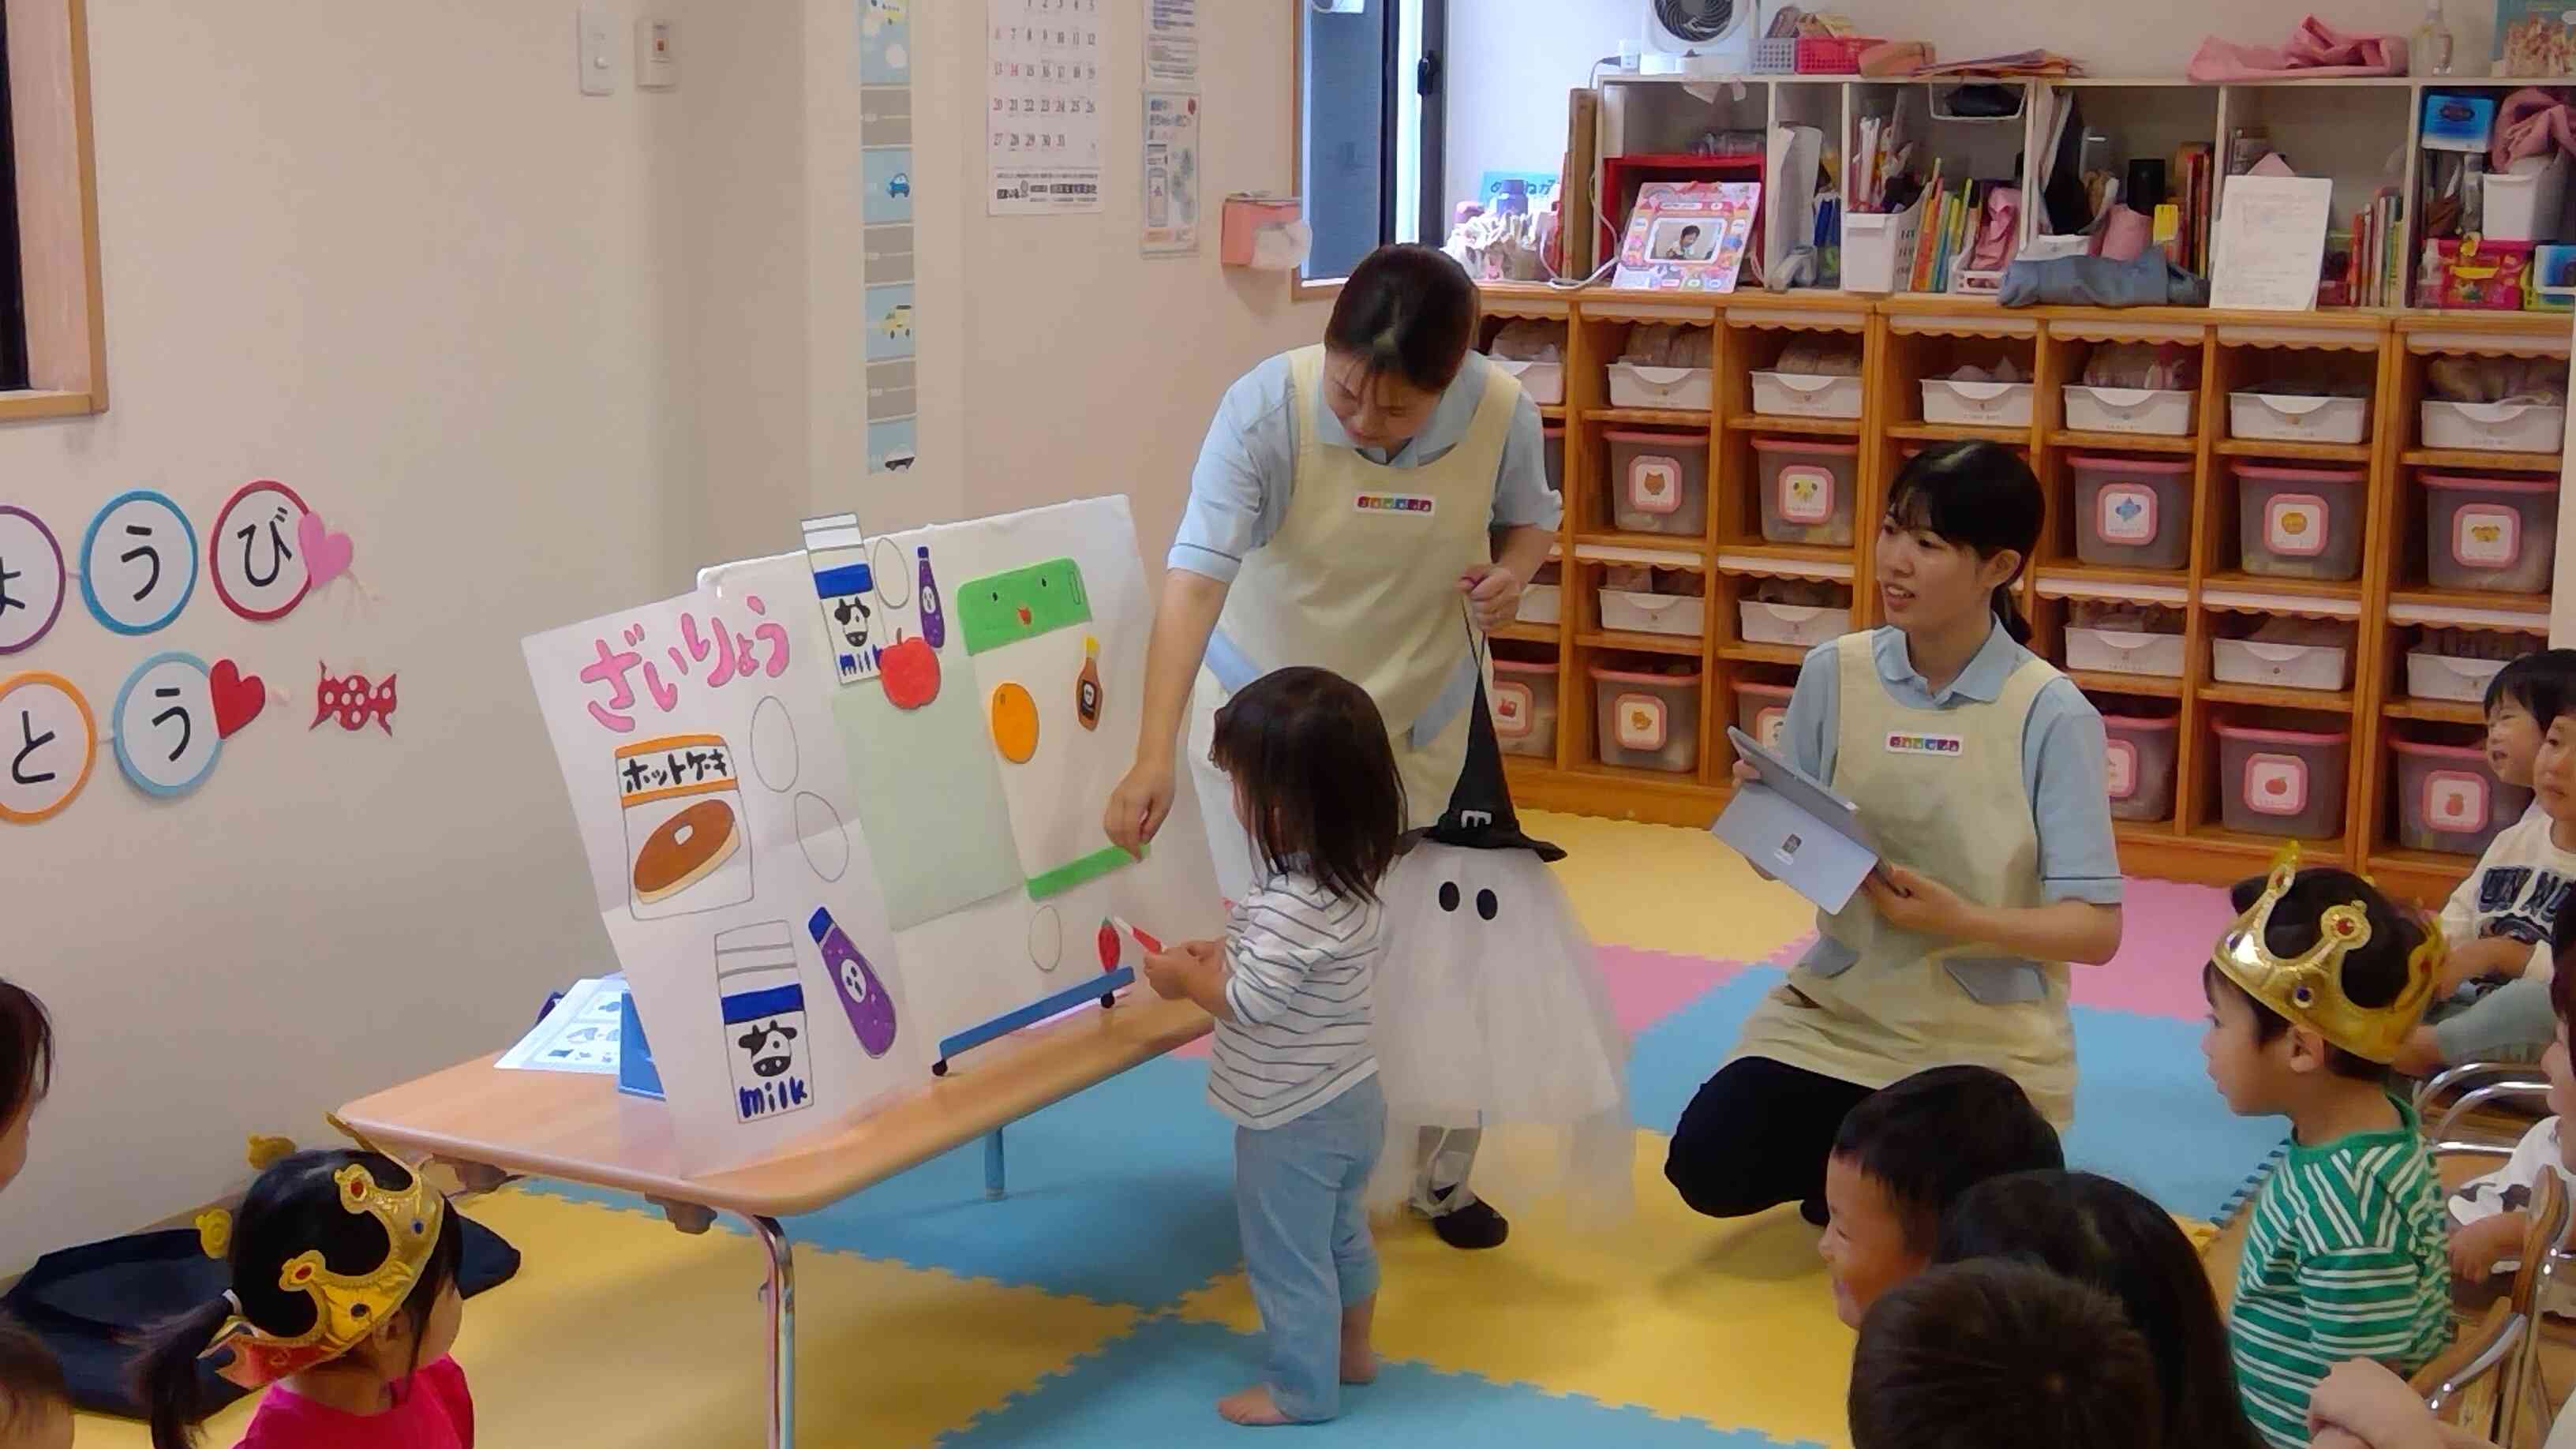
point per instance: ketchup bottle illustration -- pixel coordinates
(863, 997)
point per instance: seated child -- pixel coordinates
(2311, 992)
(2002, 1355)
(2489, 1221)
(26, 1072)
(1291, 990)
(2361, 1405)
(2493, 1002)
(356, 1356)
(35, 1402)
(1903, 1156)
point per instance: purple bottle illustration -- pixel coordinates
(863, 997)
(934, 624)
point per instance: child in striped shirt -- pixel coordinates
(1316, 786)
(2346, 1252)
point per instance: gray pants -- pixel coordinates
(1447, 1155)
(2512, 1023)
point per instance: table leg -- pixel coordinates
(993, 1183)
(780, 1295)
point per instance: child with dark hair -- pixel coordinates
(343, 1304)
(26, 1072)
(2493, 1001)
(1903, 1156)
(35, 1402)
(2002, 1355)
(2097, 1231)
(2311, 992)
(1314, 783)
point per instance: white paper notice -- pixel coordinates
(1171, 173)
(1172, 44)
(1043, 113)
(579, 1035)
(2271, 243)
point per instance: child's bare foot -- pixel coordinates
(1359, 1364)
(1251, 1406)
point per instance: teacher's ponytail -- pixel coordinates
(1978, 496)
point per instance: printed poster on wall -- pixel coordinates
(1172, 45)
(1043, 109)
(1171, 173)
(729, 861)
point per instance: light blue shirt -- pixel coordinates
(2062, 750)
(1248, 465)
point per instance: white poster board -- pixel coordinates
(728, 860)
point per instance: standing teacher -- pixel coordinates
(1343, 515)
(1980, 772)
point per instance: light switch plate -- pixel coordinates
(657, 54)
(595, 52)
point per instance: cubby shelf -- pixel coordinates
(2213, 592)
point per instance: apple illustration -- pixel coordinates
(910, 669)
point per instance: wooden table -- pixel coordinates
(581, 1129)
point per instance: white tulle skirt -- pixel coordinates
(1492, 1013)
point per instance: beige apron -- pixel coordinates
(1362, 579)
(1942, 792)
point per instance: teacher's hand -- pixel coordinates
(1493, 595)
(1139, 804)
(1913, 901)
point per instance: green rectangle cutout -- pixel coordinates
(1022, 604)
(1081, 872)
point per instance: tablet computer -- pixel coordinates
(1796, 829)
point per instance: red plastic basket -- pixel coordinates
(1831, 54)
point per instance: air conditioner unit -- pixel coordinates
(1700, 37)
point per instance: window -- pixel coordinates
(53, 324)
(1368, 126)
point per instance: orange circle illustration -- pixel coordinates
(1015, 723)
(35, 678)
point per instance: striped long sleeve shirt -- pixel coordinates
(2347, 1256)
(1301, 966)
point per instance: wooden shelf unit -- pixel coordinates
(1897, 333)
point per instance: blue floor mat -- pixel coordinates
(1137, 1171)
(1160, 1385)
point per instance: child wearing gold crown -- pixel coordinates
(2347, 1256)
(344, 1304)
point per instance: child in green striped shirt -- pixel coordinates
(2347, 1251)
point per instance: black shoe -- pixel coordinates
(1813, 1210)
(1474, 1226)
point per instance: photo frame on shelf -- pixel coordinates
(1688, 236)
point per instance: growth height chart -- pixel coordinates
(885, 231)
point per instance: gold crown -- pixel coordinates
(2308, 989)
(346, 1307)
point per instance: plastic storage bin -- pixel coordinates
(2491, 533)
(1762, 711)
(2121, 651)
(2443, 676)
(2504, 427)
(1524, 707)
(2300, 523)
(1683, 389)
(2281, 666)
(2449, 800)
(1543, 602)
(1685, 615)
(1800, 626)
(1800, 395)
(2132, 512)
(2522, 204)
(1977, 404)
(1542, 382)
(1658, 482)
(1552, 446)
(1807, 489)
(2165, 412)
(1878, 247)
(2138, 762)
(1647, 721)
(2276, 418)
(2283, 782)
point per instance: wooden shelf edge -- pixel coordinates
(1687, 647)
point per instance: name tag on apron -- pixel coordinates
(1414, 504)
(1942, 747)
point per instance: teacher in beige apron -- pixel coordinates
(1355, 506)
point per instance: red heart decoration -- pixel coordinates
(239, 698)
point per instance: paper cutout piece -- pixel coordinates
(49, 742)
(1086, 690)
(911, 673)
(138, 562)
(687, 848)
(1115, 935)
(327, 555)
(167, 738)
(32, 578)
(863, 997)
(934, 624)
(238, 697)
(930, 802)
(1080, 872)
(1022, 604)
(837, 553)
(1015, 723)
(353, 701)
(763, 1001)
(257, 555)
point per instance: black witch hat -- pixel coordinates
(1480, 815)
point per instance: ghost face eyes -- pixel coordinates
(1487, 905)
